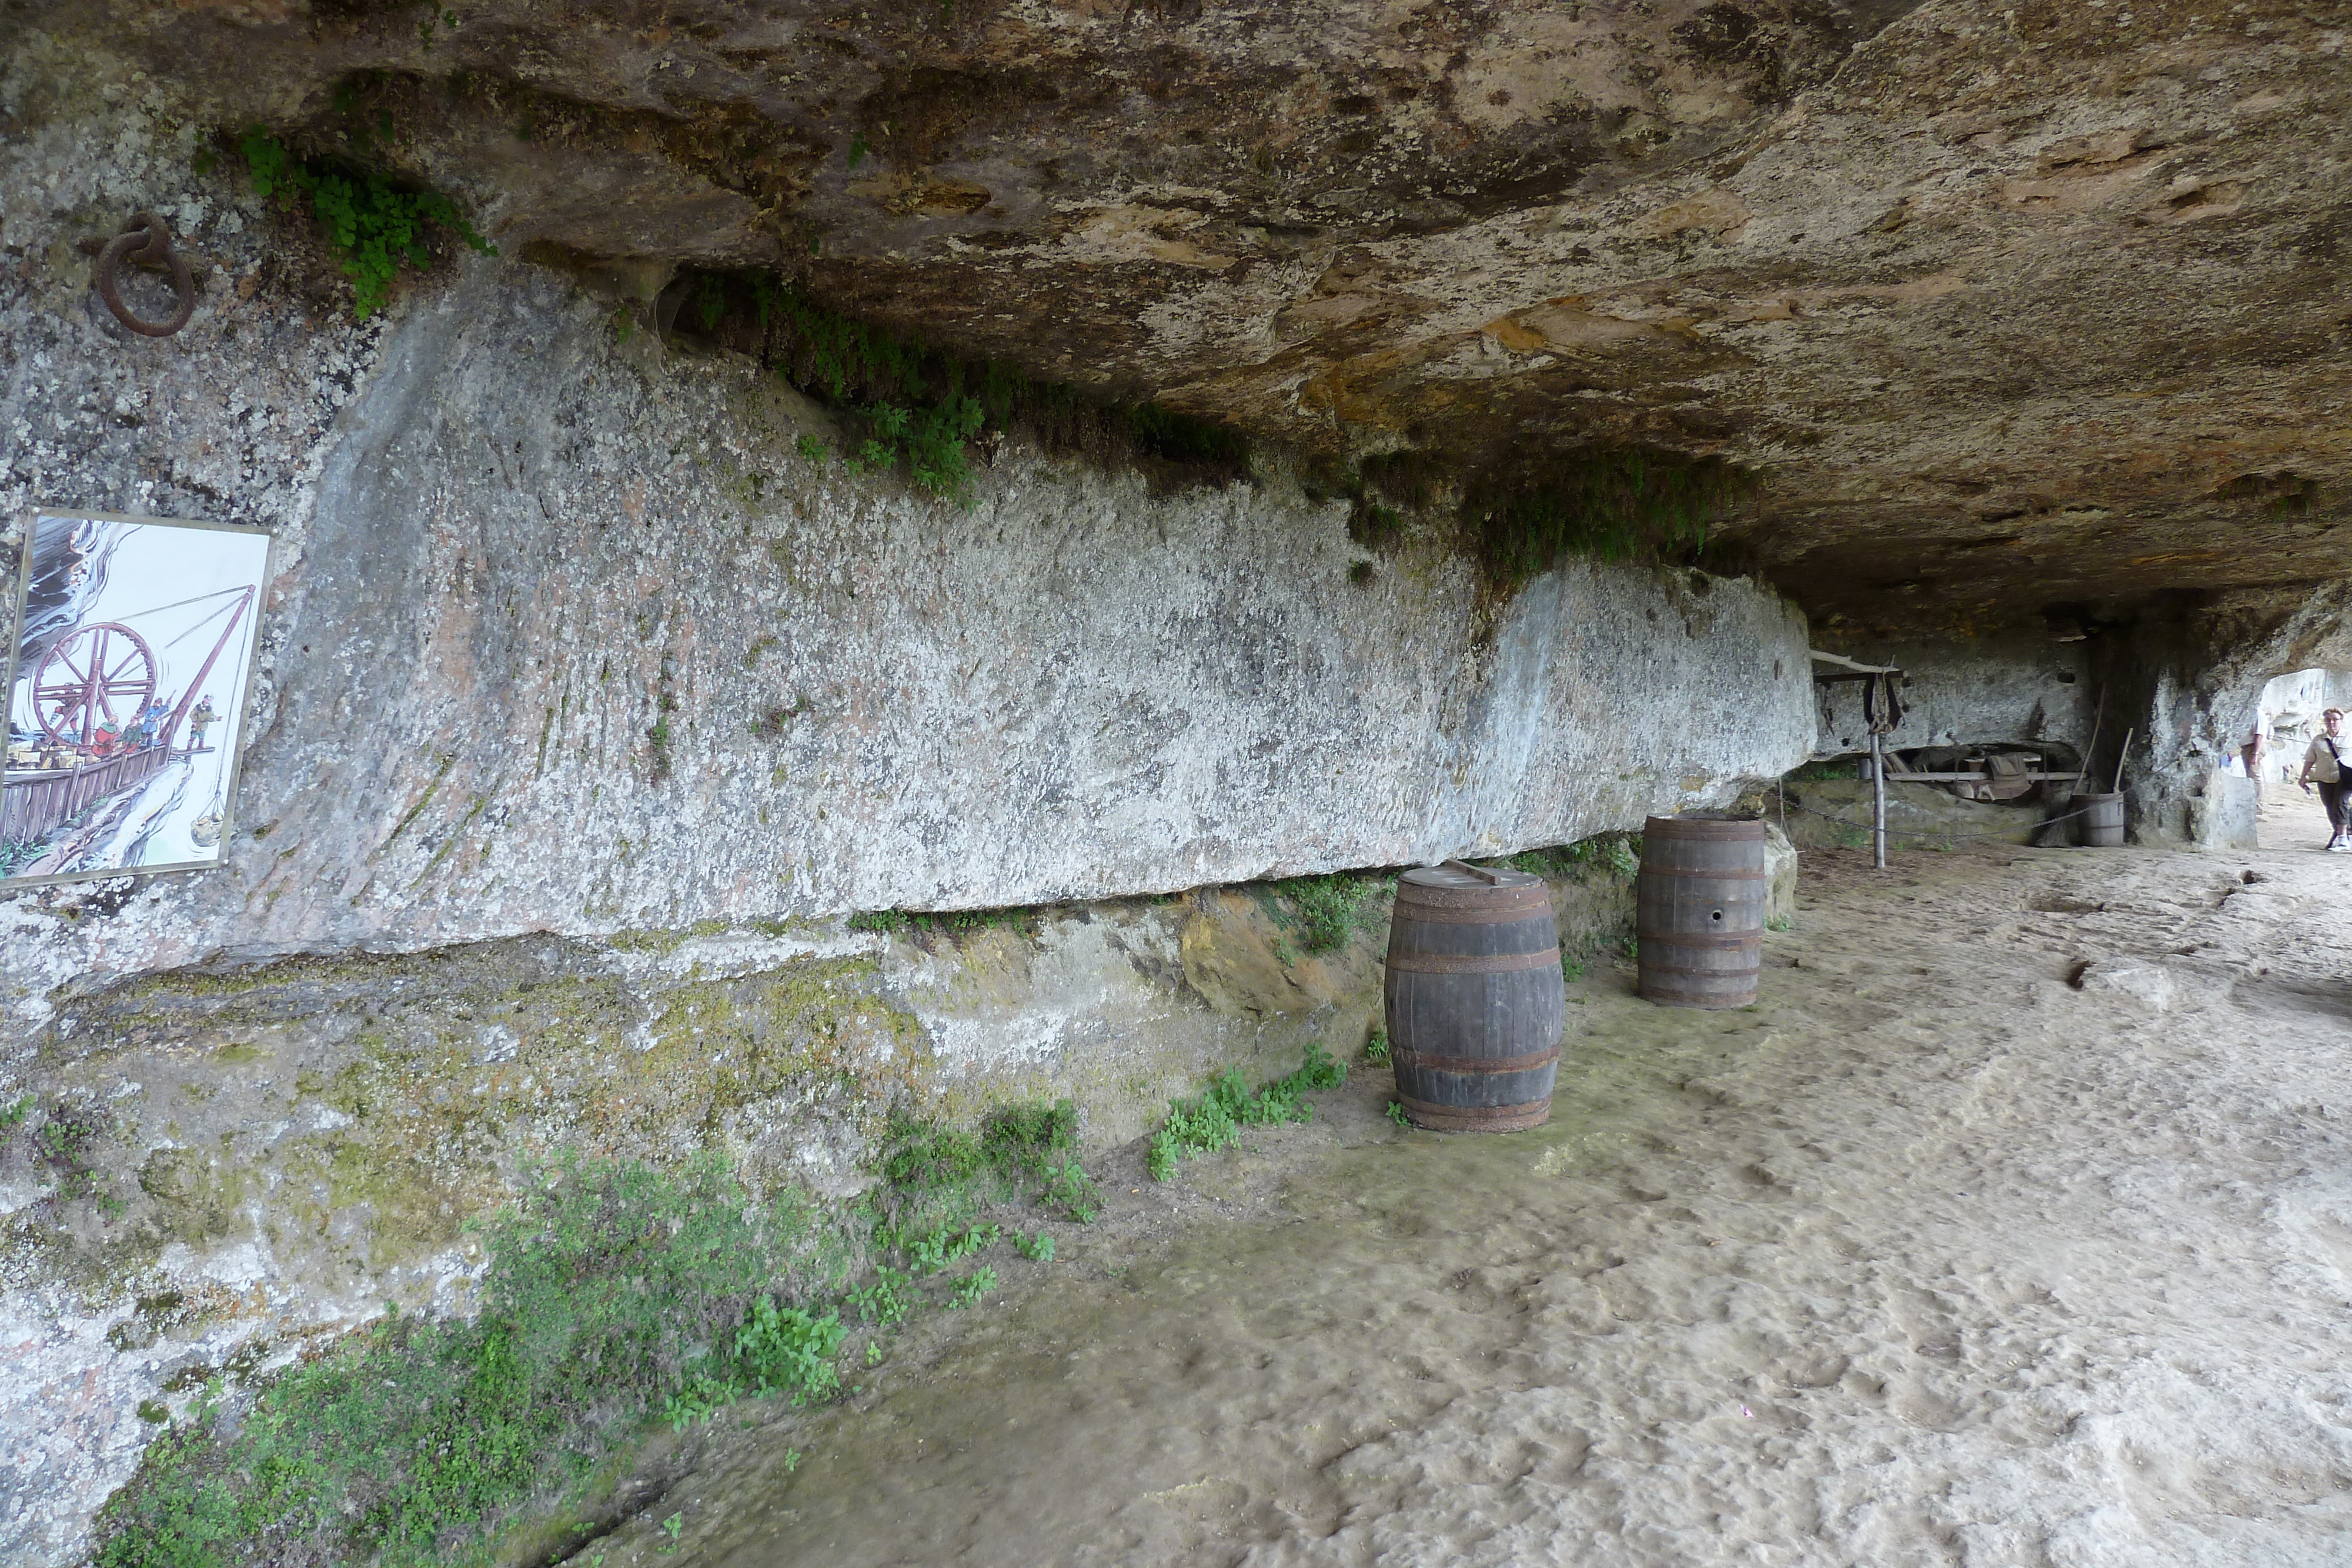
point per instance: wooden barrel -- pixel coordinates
(1698, 910)
(2101, 824)
(1475, 998)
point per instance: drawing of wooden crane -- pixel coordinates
(90, 691)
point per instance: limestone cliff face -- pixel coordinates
(2017, 307)
(561, 644)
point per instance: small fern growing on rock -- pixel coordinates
(373, 226)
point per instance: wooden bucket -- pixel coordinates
(1475, 998)
(2101, 824)
(1698, 910)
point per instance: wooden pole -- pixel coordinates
(2089, 779)
(188, 697)
(1877, 800)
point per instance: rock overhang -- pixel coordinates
(2013, 311)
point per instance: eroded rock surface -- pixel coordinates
(2014, 306)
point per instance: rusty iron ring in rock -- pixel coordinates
(147, 244)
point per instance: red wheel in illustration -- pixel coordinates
(94, 675)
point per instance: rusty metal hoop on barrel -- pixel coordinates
(1475, 998)
(1699, 906)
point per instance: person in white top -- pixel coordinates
(2328, 760)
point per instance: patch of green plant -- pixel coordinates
(1849, 837)
(66, 1143)
(1413, 480)
(1026, 1135)
(1603, 854)
(812, 448)
(1071, 1190)
(1375, 526)
(1396, 1113)
(1380, 490)
(1778, 922)
(1607, 503)
(1327, 910)
(972, 1288)
(374, 226)
(615, 1294)
(1213, 1119)
(786, 1350)
(919, 1157)
(1184, 438)
(887, 1299)
(1813, 772)
(935, 1176)
(951, 921)
(1376, 1047)
(932, 1253)
(1037, 1249)
(920, 407)
(14, 1116)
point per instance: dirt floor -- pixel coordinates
(2013, 1227)
(2291, 819)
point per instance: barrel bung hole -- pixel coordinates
(1716, 917)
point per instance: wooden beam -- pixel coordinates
(1974, 778)
(1852, 670)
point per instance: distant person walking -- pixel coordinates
(2253, 752)
(2325, 759)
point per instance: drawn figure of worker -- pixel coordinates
(2326, 760)
(150, 722)
(198, 722)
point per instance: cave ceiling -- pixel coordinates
(2017, 310)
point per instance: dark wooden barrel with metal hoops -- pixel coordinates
(1475, 999)
(1698, 910)
(2100, 824)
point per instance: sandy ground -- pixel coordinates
(2291, 819)
(2013, 1229)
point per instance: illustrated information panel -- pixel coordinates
(126, 694)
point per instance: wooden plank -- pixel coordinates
(1860, 670)
(1893, 777)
